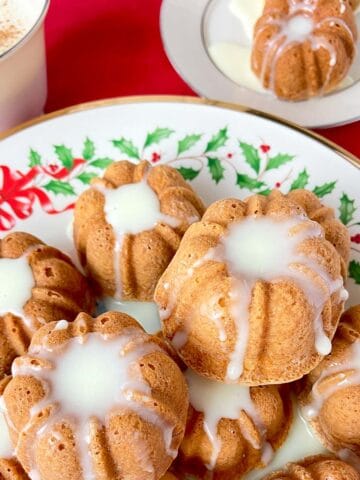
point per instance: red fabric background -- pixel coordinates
(108, 48)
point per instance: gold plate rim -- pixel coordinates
(355, 161)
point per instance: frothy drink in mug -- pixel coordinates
(22, 60)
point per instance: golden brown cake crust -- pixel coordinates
(237, 455)
(320, 467)
(338, 421)
(277, 310)
(60, 292)
(301, 71)
(114, 451)
(144, 256)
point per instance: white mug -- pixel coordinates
(23, 79)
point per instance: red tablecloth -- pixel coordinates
(108, 48)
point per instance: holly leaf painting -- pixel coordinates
(216, 169)
(127, 147)
(157, 135)
(278, 160)
(300, 181)
(325, 189)
(89, 149)
(64, 155)
(101, 162)
(187, 142)
(251, 155)
(347, 209)
(265, 192)
(244, 181)
(188, 173)
(86, 177)
(218, 140)
(34, 158)
(59, 188)
(354, 271)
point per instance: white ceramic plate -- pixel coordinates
(188, 26)
(222, 149)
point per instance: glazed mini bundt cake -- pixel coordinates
(96, 399)
(128, 226)
(331, 395)
(10, 468)
(250, 273)
(304, 48)
(320, 467)
(39, 284)
(232, 429)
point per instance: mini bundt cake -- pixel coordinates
(320, 467)
(304, 48)
(128, 226)
(232, 429)
(39, 284)
(10, 468)
(96, 399)
(250, 273)
(331, 395)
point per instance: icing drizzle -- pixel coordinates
(87, 381)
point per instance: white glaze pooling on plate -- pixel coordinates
(131, 209)
(88, 380)
(249, 258)
(234, 61)
(300, 443)
(248, 13)
(297, 27)
(6, 448)
(146, 313)
(17, 282)
(218, 400)
(345, 373)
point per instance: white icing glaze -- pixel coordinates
(131, 209)
(17, 282)
(87, 382)
(6, 448)
(234, 61)
(61, 325)
(300, 443)
(345, 373)
(146, 313)
(249, 259)
(247, 12)
(219, 400)
(298, 27)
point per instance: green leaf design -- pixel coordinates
(65, 155)
(265, 192)
(218, 140)
(251, 155)
(187, 142)
(34, 158)
(300, 181)
(244, 181)
(127, 147)
(354, 271)
(188, 173)
(324, 189)
(86, 177)
(157, 135)
(59, 188)
(278, 160)
(89, 149)
(347, 209)
(101, 162)
(216, 169)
